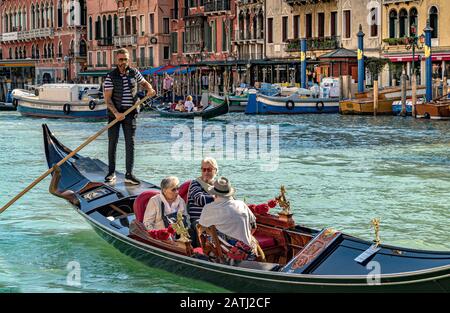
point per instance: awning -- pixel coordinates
(436, 57)
(170, 71)
(94, 73)
(152, 70)
(163, 70)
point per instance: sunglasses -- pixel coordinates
(175, 188)
(209, 170)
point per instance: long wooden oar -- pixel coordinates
(84, 144)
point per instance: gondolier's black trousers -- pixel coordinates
(129, 132)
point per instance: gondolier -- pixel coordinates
(120, 89)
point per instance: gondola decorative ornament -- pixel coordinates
(283, 202)
(180, 229)
(376, 226)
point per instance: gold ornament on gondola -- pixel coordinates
(283, 202)
(180, 229)
(376, 226)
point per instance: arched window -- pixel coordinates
(116, 25)
(60, 49)
(98, 32)
(45, 50)
(403, 20)
(413, 21)
(24, 49)
(10, 53)
(434, 22)
(6, 23)
(393, 24)
(374, 22)
(16, 55)
(90, 28)
(38, 53)
(104, 27)
(83, 48)
(60, 14)
(33, 52)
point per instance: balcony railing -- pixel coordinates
(28, 34)
(251, 56)
(241, 35)
(304, 2)
(217, 5)
(318, 43)
(126, 40)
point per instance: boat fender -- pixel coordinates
(66, 108)
(92, 105)
(320, 106)
(15, 102)
(290, 105)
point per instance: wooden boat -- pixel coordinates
(210, 111)
(363, 104)
(298, 258)
(436, 110)
(237, 103)
(9, 104)
(62, 101)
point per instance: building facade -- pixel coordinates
(45, 38)
(141, 27)
(405, 19)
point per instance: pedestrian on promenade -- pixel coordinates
(167, 88)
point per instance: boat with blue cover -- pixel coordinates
(296, 258)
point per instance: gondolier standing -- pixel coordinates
(120, 89)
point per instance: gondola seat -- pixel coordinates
(140, 204)
(184, 190)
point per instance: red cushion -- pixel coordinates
(184, 188)
(265, 241)
(140, 204)
(198, 250)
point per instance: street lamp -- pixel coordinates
(414, 42)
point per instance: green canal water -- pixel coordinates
(339, 171)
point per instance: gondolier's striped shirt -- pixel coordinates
(197, 199)
(127, 97)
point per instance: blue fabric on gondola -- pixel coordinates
(170, 71)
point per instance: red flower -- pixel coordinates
(252, 207)
(164, 234)
(272, 203)
(170, 230)
(262, 208)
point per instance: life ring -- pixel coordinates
(290, 105)
(66, 108)
(15, 102)
(92, 105)
(153, 40)
(319, 106)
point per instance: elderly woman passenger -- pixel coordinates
(165, 205)
(198, 195)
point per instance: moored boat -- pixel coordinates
(363, 104)
(236, 103)
(298, 258)
(436, 110)
(62, 101)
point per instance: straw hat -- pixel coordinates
(222, 188)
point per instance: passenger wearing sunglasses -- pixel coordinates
(198, 195)
(162, 208)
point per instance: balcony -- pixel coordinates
(28, 35)
(399, 1)
(105, 41)
(217, 6)
(241, 35)
(251, 56)
(319, 43)
(306, 2)
(126, 40)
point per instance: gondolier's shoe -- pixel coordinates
(111, 177)
(131, 179)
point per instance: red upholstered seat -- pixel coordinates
(198, 250)
(184, 188)
(264, 240)
(140, 204)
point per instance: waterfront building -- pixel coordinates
(403, 19)
(142, 27)
(41, 41)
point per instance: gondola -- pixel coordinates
(298, 259)
(210, 111)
